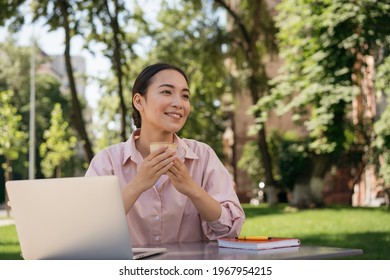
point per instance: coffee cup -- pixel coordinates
(154, 146)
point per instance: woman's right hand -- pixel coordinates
(154, 165)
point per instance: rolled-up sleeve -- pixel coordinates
(228, 225)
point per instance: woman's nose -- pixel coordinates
(177, 102)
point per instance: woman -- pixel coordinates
(168, 199)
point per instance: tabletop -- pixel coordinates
(211, 251)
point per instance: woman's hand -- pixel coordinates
(181, 178)
(208, 208)
(154, 165)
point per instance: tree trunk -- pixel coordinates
(258, 81)
(308, 187)
(270, 184)
(301, 194)
(76, 115)
(258, 87)
(118, 69)
(58, 171)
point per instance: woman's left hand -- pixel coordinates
(181, 178)
(208, 208)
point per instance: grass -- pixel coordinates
(338, 226)
(9, 243)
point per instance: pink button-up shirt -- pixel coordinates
(162, 214)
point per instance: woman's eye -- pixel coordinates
(166, 92)
(186, 96)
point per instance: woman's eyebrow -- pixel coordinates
(166, 85)
(172, 86)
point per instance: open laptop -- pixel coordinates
(72, 218)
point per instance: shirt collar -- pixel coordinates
(181, 143)
(131, 152)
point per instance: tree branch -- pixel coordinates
(236, 18)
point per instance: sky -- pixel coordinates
(52, 43)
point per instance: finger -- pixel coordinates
(171, 175)
(174, 169)
(163, 163)
(165, 169)
(167, 155)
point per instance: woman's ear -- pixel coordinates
(137, 101)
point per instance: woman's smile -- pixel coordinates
(174, 115)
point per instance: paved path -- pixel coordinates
(4, 221)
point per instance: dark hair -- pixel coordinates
(143, 81)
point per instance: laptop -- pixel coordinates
(72, 218)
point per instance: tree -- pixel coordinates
(58, 14)
(381, 143)
(251, 42)
(59, 144)
(12, 138)
(107, 128)
(113, 14)
(327, 47)
(14, 76)
(11, 14)
(63, 14)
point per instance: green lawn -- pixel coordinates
(9, 244)
(342, 226)
(363, 228)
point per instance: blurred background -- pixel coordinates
(292, 95)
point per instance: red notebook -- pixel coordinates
(271, 243)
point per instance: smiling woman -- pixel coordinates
(164, 110)
(168, 198)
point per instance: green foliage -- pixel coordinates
(107, 127)
(319, 42)
(289, 154)
(14, 72)
(381, 143)
(323, 45)
(59, 144)
(106, 22)
(14, 75)
(250, 162)
(12, 137)
(11, 15)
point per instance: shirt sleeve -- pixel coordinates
(219, 184)
(229, 224)
(100, 165)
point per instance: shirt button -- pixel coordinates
(157, 218)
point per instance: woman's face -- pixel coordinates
(166, 105)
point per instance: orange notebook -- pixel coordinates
(271, 243)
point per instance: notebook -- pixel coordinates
(72, 218)
(269, 243)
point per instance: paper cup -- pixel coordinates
(157, 145)
(154, 146)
